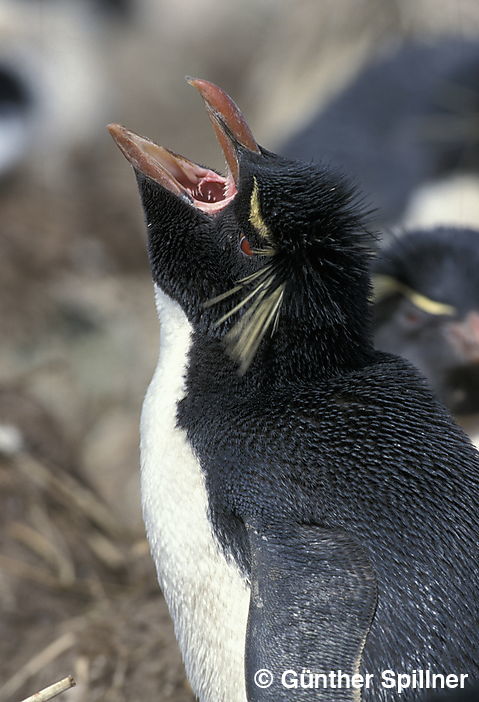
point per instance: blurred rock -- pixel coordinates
(451, 201)
(11, 440)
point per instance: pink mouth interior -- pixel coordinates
(208, 190)
(201, 187)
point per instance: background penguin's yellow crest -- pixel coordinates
(385, 285)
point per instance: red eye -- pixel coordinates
(245, 246)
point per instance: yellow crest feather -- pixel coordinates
(255, 216)
(385, 285)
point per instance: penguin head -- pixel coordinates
(273, 255)
(427, 309)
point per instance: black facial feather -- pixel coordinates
(303, 204)
(187, 267)
(315, 246)
(308, 279)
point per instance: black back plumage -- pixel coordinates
(339, 486)
(441, 265)
(408, 118)
(370, 452)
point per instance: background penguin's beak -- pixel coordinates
(201, 187)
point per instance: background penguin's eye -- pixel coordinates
(245, 246)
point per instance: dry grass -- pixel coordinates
(52, 691)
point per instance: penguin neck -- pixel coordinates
(305, 352)
(294, 355)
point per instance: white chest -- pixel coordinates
(207, 597)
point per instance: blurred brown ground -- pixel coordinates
(79, 332)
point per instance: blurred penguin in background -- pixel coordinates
(408, 121)
(53, 88)
(407, 129)
(427, 310)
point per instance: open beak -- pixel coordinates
(201, 187)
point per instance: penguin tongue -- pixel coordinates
(201, 187)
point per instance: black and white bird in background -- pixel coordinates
(407, 122)
(54, 94)
(427, 310)
(308, 502)
(407, 129)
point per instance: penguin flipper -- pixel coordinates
(313, 597)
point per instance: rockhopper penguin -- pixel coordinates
(427, 309)
(308, 503)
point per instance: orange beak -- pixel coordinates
(200, 186)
